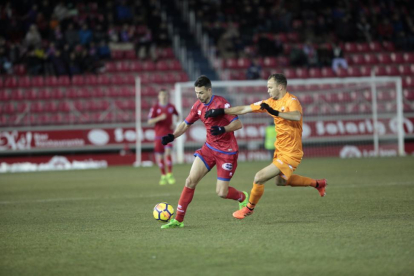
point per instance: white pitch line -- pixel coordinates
(201, 193)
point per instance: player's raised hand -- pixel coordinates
(269, 109)
(167, 139)
(217, 130)
(214, 113)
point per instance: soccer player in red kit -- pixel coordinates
(161, 114)
(220, 149)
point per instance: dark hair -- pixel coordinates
(279, 79)
(202, 81)
(163, 90)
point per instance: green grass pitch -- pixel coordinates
(99, 222)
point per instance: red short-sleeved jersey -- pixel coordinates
(226, 142)
(165, 126)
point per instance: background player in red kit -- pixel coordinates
(220, 149)
(161, 114)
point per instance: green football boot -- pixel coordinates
(245, 201)
(170, 178)
(173, 224)
(163, 180)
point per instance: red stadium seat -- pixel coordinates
(78, 80)
(408, 82)
(50, 106)
(353, 72)
(363, 47)
(24, 81)
(30, 94)
(282, 61)
(148, 66)
(289, 73)
(388, 46)
(10, 82)
(130, 54)
(384, 58)
(392, 70)
(7, 108)
(98, 92)
(72, 93)
(315, 73)
(409, 58)
(135, 66)
(162, 65)
(116, 54)
(243, 63)
(90, 80)
(63, 81)
(64, 106)
(375, 46)
(182, 76)
(397, 57)
(356, 59)
(54, 93)
(38, 81)
(327, 72)
(36, 107)
(379, 70)
(4, 95)
(370, 58)
(350, 47)
(341, 73)
(122, 66)
(103, 79)
(51, 81)
(269, 62)
(175, 65)
(365, 70)
(230, 63)
(409, 94)
(17, 94)
(110, 67)
(19, 69)
(302, 73)
(113, 92)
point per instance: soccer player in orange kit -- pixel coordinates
(287, 114)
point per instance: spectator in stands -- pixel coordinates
(71, 35)
(5, 63)
(33, 62)
(74, 68)
(85, 35)
(59, 65)
(60, 11)
(338, 59)
(123, 12)
(144, 42)
(33, 37)
(99, 34)
(103, 50)
(254, 71)
(324, 55)
(385, 30)
(364, 30)
(297, 57)
(311, 54)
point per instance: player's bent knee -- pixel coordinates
(189, 183)
(259, 179)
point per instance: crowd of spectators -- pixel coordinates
(254, 28)
(69, 38)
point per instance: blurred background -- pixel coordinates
(68, 71)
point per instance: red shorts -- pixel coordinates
(159, 147)
(226, 163)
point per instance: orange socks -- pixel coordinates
(298, 181)
(255, 195)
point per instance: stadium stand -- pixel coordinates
(68, 64)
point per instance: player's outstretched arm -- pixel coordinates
(181, 128)
(237, 110)
(157, 119)
(291, 116)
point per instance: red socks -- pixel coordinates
(185, 199)
(235, 195)
(169, 163)
(161, 165)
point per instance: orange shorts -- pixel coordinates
(286, 165)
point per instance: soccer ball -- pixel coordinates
(163, 212)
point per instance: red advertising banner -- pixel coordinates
(17, 140)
